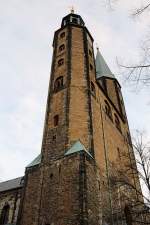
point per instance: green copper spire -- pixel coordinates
(102, 69)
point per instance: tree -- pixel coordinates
(144, 7)
(125, 182)
(122, 194)
(142, 155)
(138, 72)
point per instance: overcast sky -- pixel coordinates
(27, 28)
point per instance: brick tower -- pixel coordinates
(85, 137)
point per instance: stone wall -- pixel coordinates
(30, 202)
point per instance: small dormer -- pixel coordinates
(73, 19)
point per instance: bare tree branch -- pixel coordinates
(139, 11)
(135, 67)
(126, 181)
(138, 73)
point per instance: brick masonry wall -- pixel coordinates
(30, 203)
(70, 192)
(78, 107)
(94, 195)
(60, 192)
(111, 90)
(57, 103)
(107, 140)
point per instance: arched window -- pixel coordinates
(74, 20)
(60, 62)
(4, 215)
(128, 215)
(62, 35)
(56, 120)
(61, 48)
(93, 89)
(117, 122)
(108, 110)
(58, 83)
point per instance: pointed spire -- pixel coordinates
(102, 69)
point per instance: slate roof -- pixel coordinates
(11, 184)
(77, 147)
(102, 69)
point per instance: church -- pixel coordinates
(84, 174)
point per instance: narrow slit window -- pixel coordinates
(54, 137)
(108, 110)
(90, 52)
(91, 67)
(99, 185)
(51, 175)
(129, 139)
(56, 120)
(93, 89)
(117, 122)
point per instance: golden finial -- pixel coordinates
(72, 10)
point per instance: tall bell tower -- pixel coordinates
(85, 135)
(68, 116)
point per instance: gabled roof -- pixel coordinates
(35, 162)
(102, 69)
(77, 147)
(11, 184)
